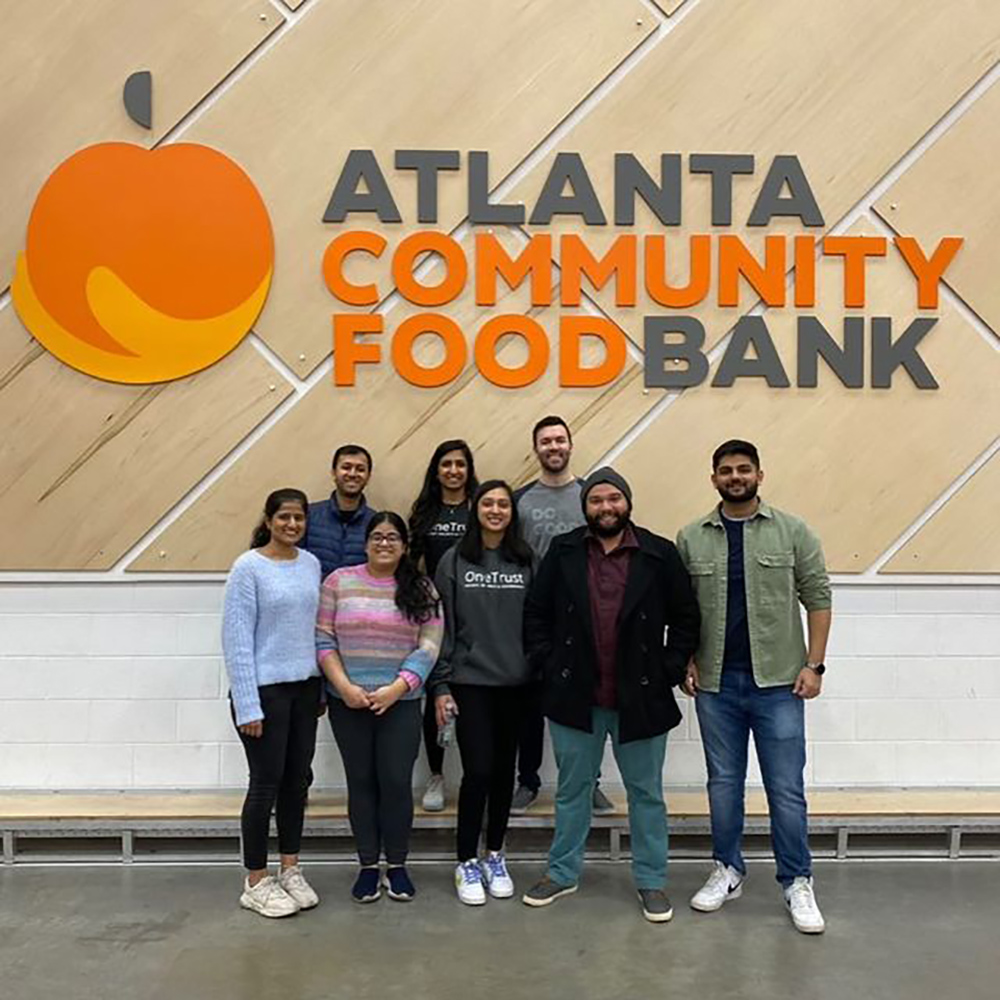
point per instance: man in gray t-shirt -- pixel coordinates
(547, 506)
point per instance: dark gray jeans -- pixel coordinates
(379, 752)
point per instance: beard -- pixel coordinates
(607, 528)
(747, 494)
(554, 463)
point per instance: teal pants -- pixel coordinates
(578, 758)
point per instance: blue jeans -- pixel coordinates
(776, 717)
(578, 757)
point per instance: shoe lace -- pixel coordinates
(497, 865)
(293, 877)
(800, 895)
(471, 874)
(719, 877)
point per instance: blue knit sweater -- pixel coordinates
(268, 623)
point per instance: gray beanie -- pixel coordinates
(605, 475)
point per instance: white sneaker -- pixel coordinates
(801, 903)
(268, 898)
(433, 801)
(469, 883)
(495, 875)
(293, 882)
(724, 883)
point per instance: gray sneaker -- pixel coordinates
(656, 906)
(546, 891)
(602, 804)
(523, 798)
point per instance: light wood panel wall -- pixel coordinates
(428, 74)
(88, 467)
(848, 87)
(859, 465)
(952, 191)
(63, 64)
(962, 536)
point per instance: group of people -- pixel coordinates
(500, 608)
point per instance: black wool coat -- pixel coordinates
(657, 635)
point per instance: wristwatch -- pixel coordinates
(818, 668)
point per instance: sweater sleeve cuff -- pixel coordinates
(413, 681)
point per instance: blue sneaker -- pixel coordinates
(366, 889)
(398, 885)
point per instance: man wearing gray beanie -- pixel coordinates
(610, 622)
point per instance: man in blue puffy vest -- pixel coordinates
(335, 533)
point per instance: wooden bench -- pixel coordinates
(932, 821)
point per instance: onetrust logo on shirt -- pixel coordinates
(476, 579)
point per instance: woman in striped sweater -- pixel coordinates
(378, 633)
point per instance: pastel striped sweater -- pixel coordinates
(267, 626)
(358, 619)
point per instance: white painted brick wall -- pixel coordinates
(121, 685)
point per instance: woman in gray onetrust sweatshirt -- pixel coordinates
(480, 678)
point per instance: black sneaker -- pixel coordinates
(656, 906)
(366, 888)
(602, 804)
(398, 885)
(523, 798)
(546, 891)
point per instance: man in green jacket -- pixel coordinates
(752, 566)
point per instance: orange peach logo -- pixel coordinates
(144, 265)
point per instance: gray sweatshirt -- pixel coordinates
(483, 614)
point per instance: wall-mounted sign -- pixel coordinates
(717, 265)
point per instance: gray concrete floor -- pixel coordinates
(895, 930)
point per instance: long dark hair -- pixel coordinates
(513, 547)
(262, 533)
(429, 500)
(414, 596)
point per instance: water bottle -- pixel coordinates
(446, 733)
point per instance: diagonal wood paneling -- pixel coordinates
(961, 537)
(668, 6)
(859, 465)
(951, 191)
(63, 67)
(848, 87)
(425, 74)
(401, 425)
(86, 467)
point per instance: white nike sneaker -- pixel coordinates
(469, 883)
(723, 884)
(294, 883)
(801, 902)
(498, 881)
(268, 898)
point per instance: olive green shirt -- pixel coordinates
(784, 566)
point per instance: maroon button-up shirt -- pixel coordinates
(606, 576)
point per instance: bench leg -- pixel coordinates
(8, 847)
(955, 842)
(616, 843)
(128, 855)
(842, 843)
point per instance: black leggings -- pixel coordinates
(489, 719)
(435, 753)
(379, 752)
(280, 767)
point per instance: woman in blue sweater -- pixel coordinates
(272, 596)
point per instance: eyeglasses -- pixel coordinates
(377, 539)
